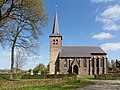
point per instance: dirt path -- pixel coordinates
(102, 85)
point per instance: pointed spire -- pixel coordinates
(56, 26)
(55, 31)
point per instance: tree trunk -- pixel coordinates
(12, 62)
(0, 15)
(12, 55)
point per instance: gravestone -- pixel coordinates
(31, 72)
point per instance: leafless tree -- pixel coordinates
(21, 60)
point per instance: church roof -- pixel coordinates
(55, 31)
(80, 51)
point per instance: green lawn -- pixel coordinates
(2, 79)
(64, 86)
(86, 76)
(89, 76)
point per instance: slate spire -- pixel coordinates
(56, 26)
(55, 31)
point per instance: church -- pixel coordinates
(82, 60)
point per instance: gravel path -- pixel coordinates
(102, 85)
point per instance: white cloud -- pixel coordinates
(5, 54)
(8, 54)
(111, 46)
(34, 57)
(110, 17)
(112, 12)
(110, 27)
(101, 1)
(102, 36)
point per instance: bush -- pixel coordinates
(7, 76)
(18, 84)
(4, 76)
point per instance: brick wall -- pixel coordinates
(109, 74)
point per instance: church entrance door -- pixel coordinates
(75, 69)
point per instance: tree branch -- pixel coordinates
(7, 13)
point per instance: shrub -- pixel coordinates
(7, 76)
(26, 76)
(16, 84)
(4, 76)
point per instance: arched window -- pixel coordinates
(97, 62)
(101, 62)
(84, 63)
(65, 63)
(55, 41)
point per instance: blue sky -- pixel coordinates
(81, 23)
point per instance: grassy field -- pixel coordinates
(64, 86)
(86, 76)
(2, 79)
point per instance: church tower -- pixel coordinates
(55, 45)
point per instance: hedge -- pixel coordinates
(26, 76)
(4, 76)
(35, 76)
(14, 85)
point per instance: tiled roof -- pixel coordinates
(80, 51)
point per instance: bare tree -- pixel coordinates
(22, 25)
(21, 59)
(6, 7)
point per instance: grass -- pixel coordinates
(86, 76)
(2, 79)
(89, 76)
(63, 86)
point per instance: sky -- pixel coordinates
(81, 23)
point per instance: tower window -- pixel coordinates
(55, 41)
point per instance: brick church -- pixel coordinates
(82, 60)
